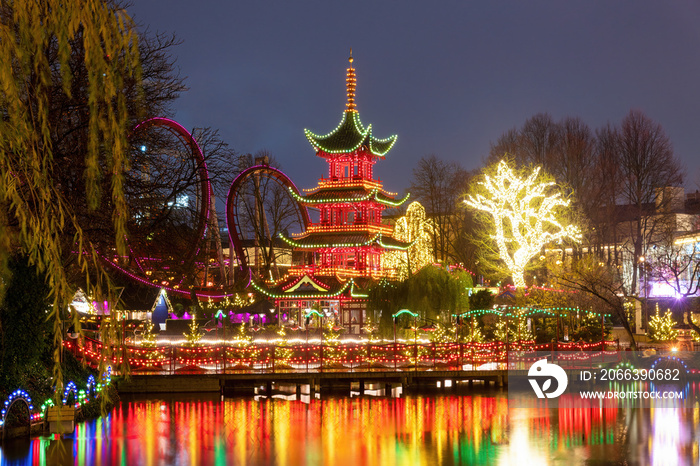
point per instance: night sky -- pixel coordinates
(447, 79)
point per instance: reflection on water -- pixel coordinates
(415, 430)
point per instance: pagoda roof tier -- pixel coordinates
(312, 287)
(349, 136)
(305, 287)
(349, 194)
(319, 240)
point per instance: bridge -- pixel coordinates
(262, 367)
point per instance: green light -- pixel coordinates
(349, 136)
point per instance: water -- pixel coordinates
(473, 428)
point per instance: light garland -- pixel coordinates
(415, 229)
(368, 228)
(355, 135)
(372, 195)
(81, 397)
(315, 296)
(525, 217)
(296, 244)
(194, 335)
(662, 328)
(295, 353)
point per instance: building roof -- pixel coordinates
(315, 240)
(349, 136)
(348, 194)
(305, 287)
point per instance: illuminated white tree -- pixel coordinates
(526, 213)
(414, 228)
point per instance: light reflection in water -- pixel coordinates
(417, 430)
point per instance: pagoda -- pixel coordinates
(343, 250)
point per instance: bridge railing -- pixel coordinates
(230, 357)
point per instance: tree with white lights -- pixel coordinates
(414, 228)
(525, 213)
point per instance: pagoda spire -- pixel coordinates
(350, 82)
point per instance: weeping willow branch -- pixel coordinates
(38, 42)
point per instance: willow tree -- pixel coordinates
(523, 213)
(38, 43)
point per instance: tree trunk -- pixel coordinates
(628, 329)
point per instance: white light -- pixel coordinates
(524, 215)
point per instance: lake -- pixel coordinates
(468, 428)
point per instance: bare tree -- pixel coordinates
(648, 166)
(507, 143)
(677, 264)
(266, 209)
(607, 174)
(601, 282)
(438, 185)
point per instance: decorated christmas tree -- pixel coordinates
(662, 328)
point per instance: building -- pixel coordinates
(342, 251)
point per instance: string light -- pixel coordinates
(194, 335)
(662, 328)
(415, 229)
(330, 293)
(244, 353)
(526, 218)
(374, 195)
(350, 134)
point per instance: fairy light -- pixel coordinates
(372, 229)
(292, 353)
(194, 335)
(350, 135)
(526, 218)
(662, 328)
(415, 229)
(351, 83)
(374, 195)
(70, 387)
(319, 295)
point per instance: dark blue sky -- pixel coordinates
(447, 79)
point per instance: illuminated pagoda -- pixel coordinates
(343, 250)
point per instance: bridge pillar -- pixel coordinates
(387, 389)
(268, 389)
(298, 391)
(405, 381)
(499, 381)
(362, 387)
(312, 388)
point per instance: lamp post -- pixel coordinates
(643, 284)
(307, 320)
(415, 326)
(394, 318)
(415, 343)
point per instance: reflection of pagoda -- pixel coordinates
(344, 249)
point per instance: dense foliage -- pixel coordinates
(432, 292)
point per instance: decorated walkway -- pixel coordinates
(314, 357)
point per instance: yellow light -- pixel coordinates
(525, 216)
(414, 228)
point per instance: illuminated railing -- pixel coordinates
(231, 356)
